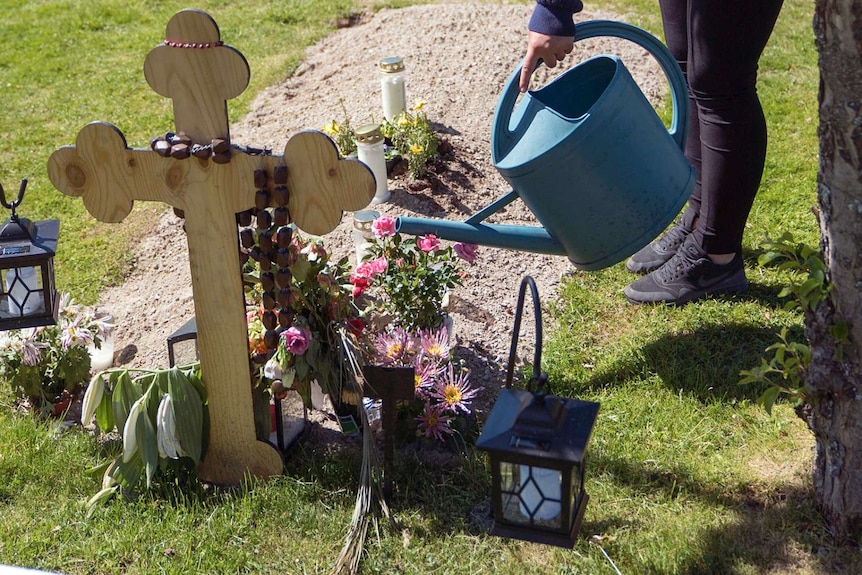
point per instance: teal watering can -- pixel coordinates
(589, 157)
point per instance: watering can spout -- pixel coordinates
(520, 238)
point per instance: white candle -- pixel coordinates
(369, 146)
(22, 287)
(392, 87)
(362, 234)
(103, 357)
(535, 480)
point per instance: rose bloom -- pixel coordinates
(428, 243)
(379, 265)
(355, 326)
(466, 252)
(383, 226)
(296, 340)
(360, 283)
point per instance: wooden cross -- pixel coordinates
(200, 74)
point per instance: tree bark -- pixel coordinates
(834, 378)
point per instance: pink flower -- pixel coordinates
(428, 243)
(435, 343)
(379, 265)
(383, 226)
(454, 391)
(466, 252)
(296, 339)
(434, 422)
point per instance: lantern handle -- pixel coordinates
(14, 204)
(539, 377)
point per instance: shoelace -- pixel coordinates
(682, 261)
(673, 238)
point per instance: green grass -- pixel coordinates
(687, 475)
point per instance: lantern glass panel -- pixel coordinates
(531, 495)
(22, 292)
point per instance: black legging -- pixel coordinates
(718, 44)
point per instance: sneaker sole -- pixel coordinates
(732, 288)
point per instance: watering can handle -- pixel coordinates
(678, 90)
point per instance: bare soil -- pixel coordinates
(458, 57)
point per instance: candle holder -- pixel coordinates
(362, 234)
(392, 89)
(369, 147)
(537, 449)
(28, 297)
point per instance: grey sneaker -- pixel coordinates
(689, 275)
(657, 253)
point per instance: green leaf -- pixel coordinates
(100, 498)
(188, 412)
(768, 398)
(105, 414)
(125, 393)
(145, 436)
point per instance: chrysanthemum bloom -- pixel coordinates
(454, 390)
(296, 339)
(382, 227)
(418, 105)
(466, 252)
(434, 422)
(31, 351)
(390, 347)
(331, 128)
(414, 149)
(76, 336)
(428, 243)
(435, 343)
(425, 375)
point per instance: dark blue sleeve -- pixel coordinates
(554, 17)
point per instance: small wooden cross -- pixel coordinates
(200, 74)
(390, 385)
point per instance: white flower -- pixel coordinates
(92, 399)
(166, 430)
(130, 443)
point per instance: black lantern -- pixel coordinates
(285, 430)
(183, 344)
(536, 444)
(28, 298)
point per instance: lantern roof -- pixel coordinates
(28, 241)
(542, 427)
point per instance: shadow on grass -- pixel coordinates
(774, 527)
(704, 363)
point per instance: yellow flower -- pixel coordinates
(414, 149)
(403, 120)
(331, 128)
(418, 105)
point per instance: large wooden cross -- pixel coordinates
(200, 74)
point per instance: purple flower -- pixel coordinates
(454, 391)
(434, 422)
(76, 337)
(296, 339)
(390, 347)
(466, 252)
(435, 343)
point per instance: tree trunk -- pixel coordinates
(834, 379)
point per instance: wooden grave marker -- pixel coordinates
(200, 74)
